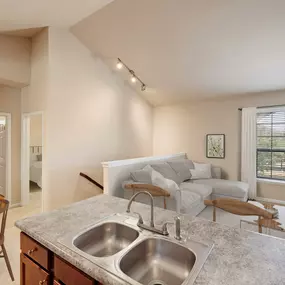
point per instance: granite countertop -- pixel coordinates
(238, 257)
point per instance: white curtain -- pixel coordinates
(248, 150)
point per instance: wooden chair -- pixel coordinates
(4, 206)
(236, 207)
(152, 189)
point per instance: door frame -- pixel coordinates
(25, 156)
(8, 181)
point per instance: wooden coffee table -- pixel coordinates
(275, 225)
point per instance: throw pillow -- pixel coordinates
(166, 171)
(201, 171)
(182, 168)
(164, 183)
(142, 176)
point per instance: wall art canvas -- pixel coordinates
(215, 146)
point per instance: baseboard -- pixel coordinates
(15, 205)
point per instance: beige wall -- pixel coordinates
(36, 130)
(90, 115)
(34, 95)
(10, 102)
(184, 128)
(15, 61)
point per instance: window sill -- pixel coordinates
(270, 181)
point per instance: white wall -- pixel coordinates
(14, 61)
(184, 127)
(90, 116)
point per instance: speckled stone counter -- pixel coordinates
(238, 257)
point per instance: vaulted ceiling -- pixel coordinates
(192, 49)
(25, 14)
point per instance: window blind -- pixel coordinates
(270, 158)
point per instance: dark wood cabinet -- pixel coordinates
(68, 274)
(31, 273)
(40, 266)
(35, 251)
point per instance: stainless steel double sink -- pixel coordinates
(137, 256)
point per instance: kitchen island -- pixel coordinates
(238, 256)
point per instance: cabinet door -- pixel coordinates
(31, 273)
(35, 251)
(69, 275)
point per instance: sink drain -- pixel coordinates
(157, 282)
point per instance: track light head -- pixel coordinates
(119, 64)
(143, 87)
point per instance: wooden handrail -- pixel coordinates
(91, 180)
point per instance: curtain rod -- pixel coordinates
(263, 107)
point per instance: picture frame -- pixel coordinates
(215, 146)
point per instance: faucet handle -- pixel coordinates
(140, 221)
(177, 220)
(164, 228)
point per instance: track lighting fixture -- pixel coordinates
(119, 64)
(134, 78)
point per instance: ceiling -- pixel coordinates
(192, 49)
(26, 33)
(25, 14)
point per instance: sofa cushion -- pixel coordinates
(182, 168)
(187, 200)
(216, 172)
(201, 171)
(167, 184)
(229, 188)
(142, 176)
(166, 171)
(201, 189)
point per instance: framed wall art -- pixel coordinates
(215, 146)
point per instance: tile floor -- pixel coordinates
(12, 237)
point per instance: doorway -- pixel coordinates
(5, 155)
(32, 161)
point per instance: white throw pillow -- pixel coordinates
(201, 171)
(164, 183)
(159, 180)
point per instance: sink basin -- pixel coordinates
(106, 239)
(157, 261)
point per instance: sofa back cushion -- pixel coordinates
(166, 171)
(142, 176)
(182, 168)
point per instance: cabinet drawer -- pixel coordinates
(69, 275)
(31, 273)
(34, 250)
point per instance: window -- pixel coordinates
(270, 156)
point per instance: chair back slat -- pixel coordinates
(4, 206)
(239, 208)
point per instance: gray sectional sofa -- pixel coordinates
(191, 192)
